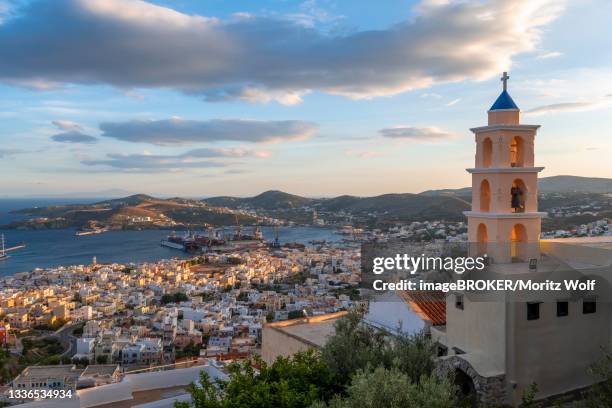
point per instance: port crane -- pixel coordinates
(4, 251)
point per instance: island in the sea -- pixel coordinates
(571, 201)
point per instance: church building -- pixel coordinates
(498, 348)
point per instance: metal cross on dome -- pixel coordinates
(505, 79)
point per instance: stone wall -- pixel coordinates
(489, 390)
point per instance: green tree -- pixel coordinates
(413, 355)
(102, 359)
(600, 394)
(355, 346)
(383, 388)
(296, 314)
(81, 362)
(293, 382)
(174, 298)
(190, 350)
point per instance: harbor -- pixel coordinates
(53, 248)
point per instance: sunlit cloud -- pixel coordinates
(67, 125)
(567, 107)
(551, 54)
(454, 102)
(367, 154)
(178, 131)
(192, 159)
(423, 134)
(263, 58)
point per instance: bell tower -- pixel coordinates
(504, 221)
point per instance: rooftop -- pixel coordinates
(504, 101)
(429, 305)
(100, 369)
(314, 330)
(50, 371)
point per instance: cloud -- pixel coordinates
(362, 154)
(547, 55)
(191, 159)
(10, 152)
(67, 125)
(134, 94)
(182, 131)
(262, 58)
(74, 137)
(428, 134)
(236, 171)
(454, 102)
(431, 95)
(4, 10)
(566, 107)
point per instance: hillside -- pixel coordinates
(387, 206)
(399, 206)
(135, 211)
(268, 200)
(144, 211)
(553, 184)
(575, 184)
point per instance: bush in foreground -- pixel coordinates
(359, 367)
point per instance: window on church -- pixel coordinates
(589, 306)
(516, 152)
(533, 311)
(459, 301)
(562, 309)
(487, 152)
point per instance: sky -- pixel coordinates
(314, 97)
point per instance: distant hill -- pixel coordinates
(553, 184)
(446, 204)
(575, 184)
(400, 206)
(461, 192)
(388, 206)
(130, 212)
(268, 200)
(135, 199)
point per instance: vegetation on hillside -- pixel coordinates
(358, 367)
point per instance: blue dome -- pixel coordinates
(504, 101)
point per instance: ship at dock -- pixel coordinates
(193, 243)
(217, 240)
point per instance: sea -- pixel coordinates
(61, 247)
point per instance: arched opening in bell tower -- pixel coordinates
(487, 152)
(482, 237)
(517, 152)
(519, 243)
(518, 192)
(485, 196)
